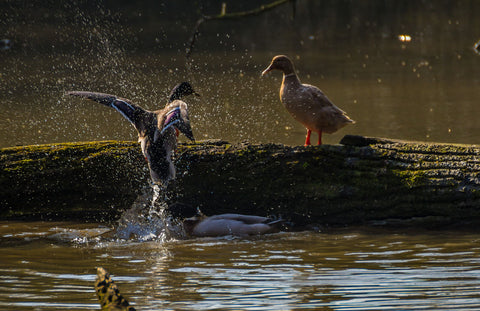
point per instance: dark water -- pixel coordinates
(422, 88)
(50, 266)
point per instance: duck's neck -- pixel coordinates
(291, 78)
(174, 96)
(290, 82)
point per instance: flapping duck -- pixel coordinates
(156, 129)
(199, 225)
(307, 103)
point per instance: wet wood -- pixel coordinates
(363, 180)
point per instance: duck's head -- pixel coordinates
(5, 44)
(187, 214)
(181, 90)
(183, 211)
(280, 62)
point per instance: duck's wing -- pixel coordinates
(274, 222)
(318, 96)
(129, 110)
(323, 103)
(176, 114)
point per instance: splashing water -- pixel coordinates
(148, 219)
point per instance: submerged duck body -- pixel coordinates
(198, 225)
(156, 130)
(307, 103)
(232, 224)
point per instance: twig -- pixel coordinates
(229, 16)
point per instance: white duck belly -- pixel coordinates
(230, 224)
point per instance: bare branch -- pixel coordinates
(229, 16)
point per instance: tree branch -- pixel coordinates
(229, 16)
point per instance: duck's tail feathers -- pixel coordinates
(274, 222)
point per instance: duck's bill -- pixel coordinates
(196, 94)
(267, 70)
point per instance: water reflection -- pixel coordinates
(341, 270)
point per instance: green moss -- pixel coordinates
(328, 184)
(411, 178)
(68, 179)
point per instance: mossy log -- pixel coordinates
(70, 180)
(360, 181)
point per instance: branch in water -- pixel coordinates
(229, 16)
(108, 293)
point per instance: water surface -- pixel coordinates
(50, 266)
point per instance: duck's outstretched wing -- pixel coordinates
(108, 293)
(130, 111)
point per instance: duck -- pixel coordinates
(157, 130)
(197, 224)
(307, 103)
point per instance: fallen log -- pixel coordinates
(91, 181)
(363, 180)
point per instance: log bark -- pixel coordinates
(90, 181)
(363, 180)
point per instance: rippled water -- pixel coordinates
(51, 266)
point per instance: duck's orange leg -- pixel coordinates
(319, 138)
(307, 139)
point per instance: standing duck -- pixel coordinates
(307, 103)
(156, 129)
(199, 225)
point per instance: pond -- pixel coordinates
(400, 69)
(404, 70)
(51, 266)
